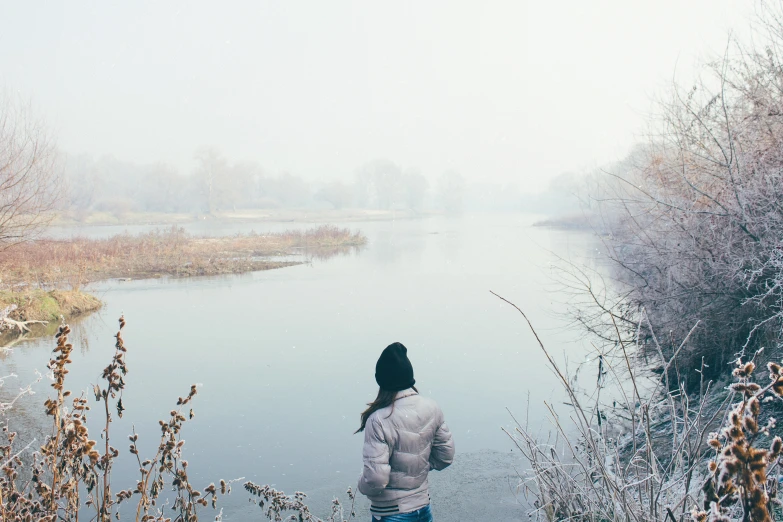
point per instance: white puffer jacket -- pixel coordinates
(402, 443)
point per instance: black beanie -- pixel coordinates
(394, 371)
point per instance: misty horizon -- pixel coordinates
(506, 93)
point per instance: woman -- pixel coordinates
(404, 438)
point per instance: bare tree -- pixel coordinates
(30, 174)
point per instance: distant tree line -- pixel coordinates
(219, 185)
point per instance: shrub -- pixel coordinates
(659, 454)
(692, 220)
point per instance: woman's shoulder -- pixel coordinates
(416, 401)
(425, 406)
(428, 403)
(379, 414)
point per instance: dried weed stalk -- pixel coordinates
(636, 458)
(69, 477)
(742, 480)
(655, 455)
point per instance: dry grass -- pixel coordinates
(42, 305)
(36, 312)
(174, 252)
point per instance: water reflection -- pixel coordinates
(324, 253)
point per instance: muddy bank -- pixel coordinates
(35, 313)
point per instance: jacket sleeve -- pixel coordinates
(442, 454)
(376, 471)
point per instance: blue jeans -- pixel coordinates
(420, 515)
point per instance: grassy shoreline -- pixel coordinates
(171, 252)
(30, 271)
(46, 307)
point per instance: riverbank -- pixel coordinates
(37, 312)
(42, 279)
(292, 336)
(172, 252)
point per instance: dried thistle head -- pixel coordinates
(732, 433)
(776, 447)
(738, 387)
(754, 406)
(741, 370)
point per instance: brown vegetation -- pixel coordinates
(42, 305)
(69, 475)
(38, 312)
(742, 475)
(169, 252)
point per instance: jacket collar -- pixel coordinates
(405, 393)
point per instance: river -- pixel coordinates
(284, 359)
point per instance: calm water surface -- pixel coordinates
(285, 358)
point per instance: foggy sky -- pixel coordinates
(511, 91)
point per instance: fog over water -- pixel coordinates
(285, 358)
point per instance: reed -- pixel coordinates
(174, 252)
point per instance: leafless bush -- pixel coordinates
(693, 220)
(627, 451)
(30, 177)
(656, 453)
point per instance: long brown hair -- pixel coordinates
(384, 398)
